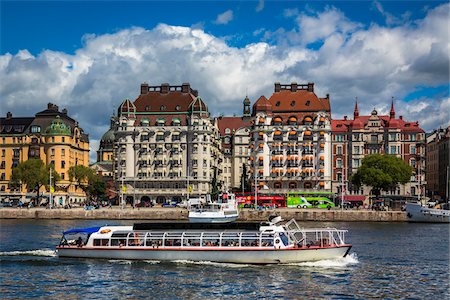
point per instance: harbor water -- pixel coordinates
(388, 260)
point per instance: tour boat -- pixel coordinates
(223, 210)
(417, 213)
(267, 243)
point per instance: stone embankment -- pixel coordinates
(162, 214)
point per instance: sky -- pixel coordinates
(88, 56)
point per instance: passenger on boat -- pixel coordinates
(80, 242)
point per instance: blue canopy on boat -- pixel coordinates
(82, 230)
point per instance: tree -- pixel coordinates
(245, 181)
(86, 179)
(34, 174)
(382, 172)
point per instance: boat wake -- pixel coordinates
(351, 259)
(37, 252)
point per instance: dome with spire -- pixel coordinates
(58, 127)
(198, 107)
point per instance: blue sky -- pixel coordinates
(89, 56)
(60, 25)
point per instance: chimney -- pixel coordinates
(401, 117)
(195, 93)
(8, 115)
(310, 86)
(294, 86)
(165, 88)
(144, 88)
(64, 111)
(185, 87)
(328, 96)
(277, 87)
(345, 118)
(49, 105)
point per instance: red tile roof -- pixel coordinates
(172, 101)
(233, 123)
(344, 125)
(286, 100)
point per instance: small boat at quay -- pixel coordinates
(223, 210)
(270, 242)
(418, 213)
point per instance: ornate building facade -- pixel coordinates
(438, 155)
(235, 138)
(52, 136)
(290, 147)
(364, 135)
(165, 145)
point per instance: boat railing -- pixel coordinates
(302, 238)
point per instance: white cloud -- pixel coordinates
(290, 12)
(390, 18)
(372, 63)
(323, 25)
(260, 6)
(224, 18)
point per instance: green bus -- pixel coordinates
(310, 199)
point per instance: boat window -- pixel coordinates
(101, 242)
(173, 239)
(230, 239)
(250, 239)
(136, 239)
(192, 239)
(120, 234)
(266, 240)
(211, 239)
(154, 239)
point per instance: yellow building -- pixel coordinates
(52, 136)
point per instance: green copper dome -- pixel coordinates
(58, 127)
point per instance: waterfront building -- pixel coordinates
(52, 136)
(290, 147)
(438, 146)
(165, 145)
(383, 134)
(235, 138)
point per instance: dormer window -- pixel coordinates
(278, 103)
(177, 107)
(308, 103)
(292, 103)
(227, 130)
(147, 108)
(163, 107)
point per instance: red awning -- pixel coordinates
(354, 198)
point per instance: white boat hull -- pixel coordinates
(201, 219)
(240, 256)
(417, 213)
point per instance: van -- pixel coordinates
(322, 204)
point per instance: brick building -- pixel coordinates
(355, 138)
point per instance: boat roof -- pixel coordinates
(82, 230)
(197, 226)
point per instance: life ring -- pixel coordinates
(105, 231)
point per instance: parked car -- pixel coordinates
(170, 204)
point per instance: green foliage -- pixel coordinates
(382, 172)
(245, 181)
(34, 174)
(87, 180)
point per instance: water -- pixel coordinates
(388, 260)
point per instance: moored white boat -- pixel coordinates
(273, 243)
(222, 211)
(417, 213)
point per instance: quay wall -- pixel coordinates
(182, 214)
